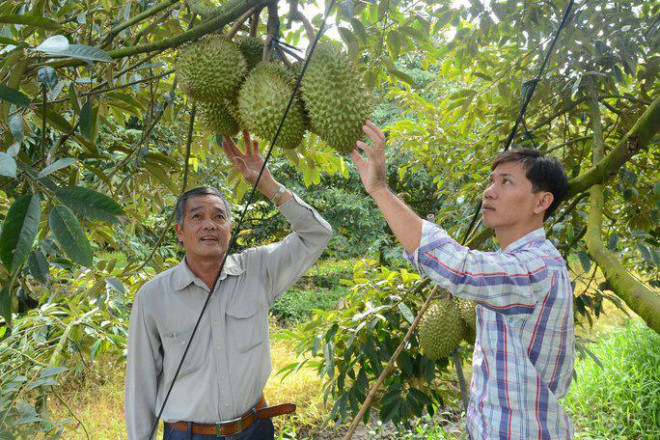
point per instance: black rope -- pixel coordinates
(527, 91)
(232, 242)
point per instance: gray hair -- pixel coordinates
(195, 192)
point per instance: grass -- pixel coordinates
(622, 399)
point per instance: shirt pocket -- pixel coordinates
(174, 345)
(245, 326)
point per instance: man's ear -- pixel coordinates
(179, 232)
(544, 201)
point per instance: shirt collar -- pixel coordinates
(183, 276)
(537, 235)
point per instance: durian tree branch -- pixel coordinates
(637, 139)
(254, 23)
(309, 28)
(239, 23)
(231, 11)
(138, 18)
(639, 298)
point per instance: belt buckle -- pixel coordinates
(238, 421)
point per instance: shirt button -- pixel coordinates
(226, 404)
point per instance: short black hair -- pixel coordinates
(545, 172)
(199, 191)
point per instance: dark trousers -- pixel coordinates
(263, 429)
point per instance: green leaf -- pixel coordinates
(406, 312)
(90, 203)
(30, 20)
(7, 165)
(56, 166)
(70, 235)
(86, 127)
(585, 261)
(5, 303)
(19, 231)
(80, 51)
(38, 266)
(14, 96)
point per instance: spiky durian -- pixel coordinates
(252, 49)
(217, 118)
(441, 329)
(468, 311)
(205, 8)
(335, 97)
(211, 69)
(262, 101)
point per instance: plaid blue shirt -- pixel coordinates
(523, 354)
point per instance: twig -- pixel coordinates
(254, 22)
(80, 423)
(273, 27)
(461, 379)
(239, 23)
(138, 18)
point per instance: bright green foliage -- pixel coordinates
(335, 98)
(262, 100)
(618, 397)
(218, 119)
(441, 329)
(211, 69)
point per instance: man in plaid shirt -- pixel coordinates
(523, 353)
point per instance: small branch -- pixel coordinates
(231, 12)
(309, 28)
(283, 57)
(273, 27)
(72, 413)
(254, 22)
(239, 23)
(138, 18)
(461, 379)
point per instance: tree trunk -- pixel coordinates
(639, 298)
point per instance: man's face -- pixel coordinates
(206, 229)
(509, 201)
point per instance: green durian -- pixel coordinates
(205, 8)
(262, 100)
(218, 118)
(211, 69)
(441, 329)
(252, 49)
(336, 99)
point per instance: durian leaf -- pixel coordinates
(86, 126)
(7, 165)
(90, 203)
(70, 236)
(38, 266)
(14, 96)
(19, 231)
(30, 20)
(56, 166)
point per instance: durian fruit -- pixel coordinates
(211, 69)
(262, 101)
(335, 97)
(468, 312)
(217, 118)
(252, 49)
(441, 329)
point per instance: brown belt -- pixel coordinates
(240, 424)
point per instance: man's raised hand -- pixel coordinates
(249, 163)
(372, 170)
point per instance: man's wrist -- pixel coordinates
(380, 191)
(278, 195)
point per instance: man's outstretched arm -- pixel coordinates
(406, 225)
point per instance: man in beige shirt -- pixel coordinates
(228, 363)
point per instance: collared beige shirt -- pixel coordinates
(229, 362)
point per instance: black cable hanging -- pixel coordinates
(240, 221)
(527, 91)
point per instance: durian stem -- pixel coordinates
(239, 23)
(283, 57)
(254, 24)
(390, 366)
(273, 26)
(309, 29)
(461, 378)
